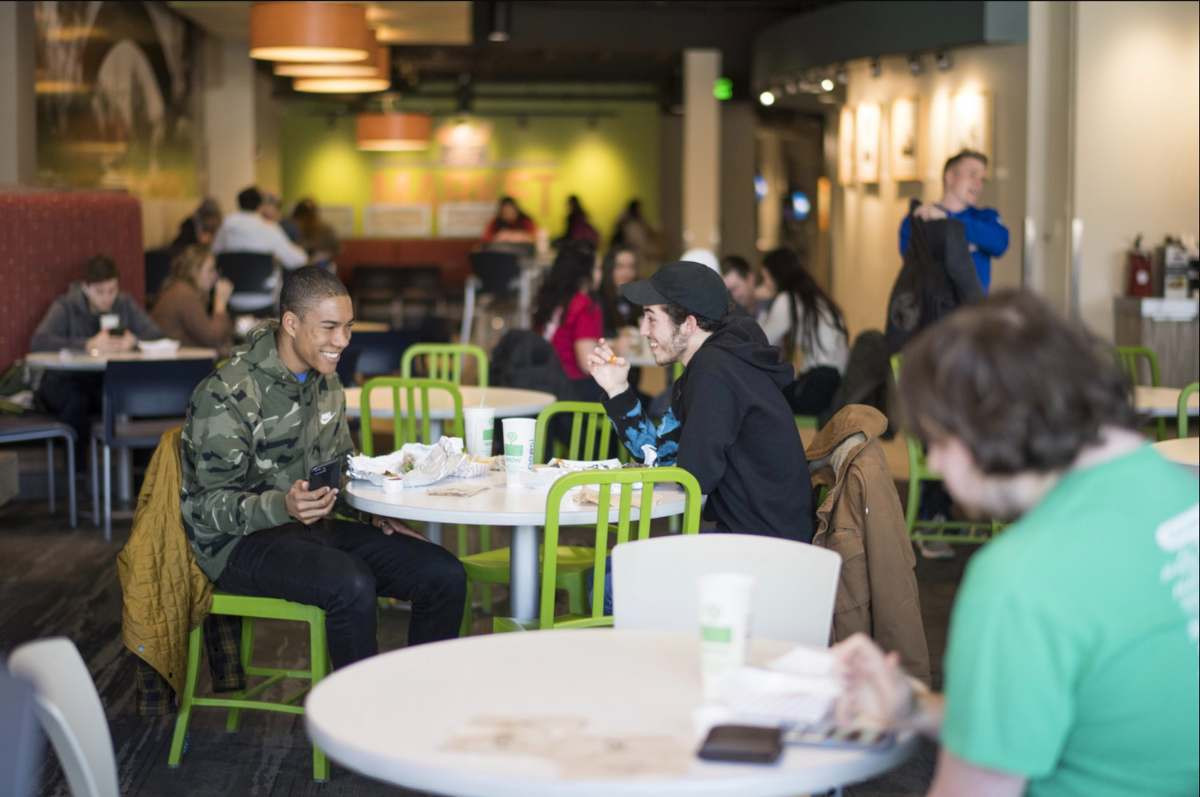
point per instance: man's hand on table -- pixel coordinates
(104, 343)
(309, 506)
(610, 371)
(392, 526)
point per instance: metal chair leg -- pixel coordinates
(50, 471)
(71, 506)
(107, 493)
(95, 468)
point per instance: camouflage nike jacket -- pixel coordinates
(252, 430)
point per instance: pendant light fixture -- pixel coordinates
(309, 32)
(341, 85)
(394, 131)
(379, 65)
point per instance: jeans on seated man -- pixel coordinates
(255, 429)
(1071, 663)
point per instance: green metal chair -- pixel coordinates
(1182, 410)
(445, 361)
(553, 568)
(249, 609)
(492, 566)
(807, 422)
(951, 531)
(413, 425)
(1131, 359)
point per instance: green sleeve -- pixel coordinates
(1010, 666)
(218, 445)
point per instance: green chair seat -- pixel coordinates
(492, 566)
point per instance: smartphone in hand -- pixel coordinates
(327, 475)
(750, 744)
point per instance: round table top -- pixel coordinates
(1184, 450)
(574, 712)
(1162, 402)
(509, 402)
(70, 360)
(499, 505)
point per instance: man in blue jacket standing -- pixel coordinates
(962, 185)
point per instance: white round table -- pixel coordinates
(70, 360)
(603, 713)
(1184, 450)
(1162, 402)
(520, 507)
(509, 402)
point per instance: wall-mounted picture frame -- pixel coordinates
(971, 122)
(845, 163)
(866, 135)
(903, 150)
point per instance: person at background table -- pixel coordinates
(254, 430)
(962, 186)
(728, 424)
(181, 311)
(247, 230)
(510, 224)
(271, 208)
(92, 316)
(577, 226)
(806, 324)
(198, 228)
(567, 316)
(618, 268)
(633, 231)
(742, 282)
(306, 228)
(1071, 666)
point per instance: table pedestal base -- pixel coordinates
(523, 576)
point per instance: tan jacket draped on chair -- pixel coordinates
(862, 520)
(165, 592)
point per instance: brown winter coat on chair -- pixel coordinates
(861, 518)
(166, 594)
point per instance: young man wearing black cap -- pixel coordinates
(729, 424)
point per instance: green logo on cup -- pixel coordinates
(514, 450)
(511, 436)
(487, 435)
(715, 633)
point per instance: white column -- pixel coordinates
(18, 133)
(701, 150)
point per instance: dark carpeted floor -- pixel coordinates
(55, 581)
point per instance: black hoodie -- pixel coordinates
(736, 433)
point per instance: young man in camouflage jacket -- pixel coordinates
(254, 430)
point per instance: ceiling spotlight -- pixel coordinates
(914, 65)
(876, 68)
(827, 85)
(840, 76)
(944, 61)
(766, 98)
(501, 22)
(791, 87)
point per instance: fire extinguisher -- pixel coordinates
(1138, 271)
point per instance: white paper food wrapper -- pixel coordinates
(418, 465)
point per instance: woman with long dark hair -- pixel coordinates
(620, 266)
(567, 316)
(578, 227)
(803, 320)
(510, 224)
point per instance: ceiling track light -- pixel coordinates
(766, 98)
(876, 67)
(501, 22)
(915, 67)
(827, 84)
(944, 62)
(840, 76)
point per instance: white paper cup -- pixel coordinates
(724, 600)
(518, 444)
(479, 422)
(109, 321)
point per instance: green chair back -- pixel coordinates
(1182, 409)
(590, 430)
(411, 422)
(1131, 358)
(624, 480)
(445, 361)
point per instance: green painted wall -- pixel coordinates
(605, 160)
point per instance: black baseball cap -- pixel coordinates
(693, 286)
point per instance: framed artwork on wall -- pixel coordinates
(866, 152)
(902, 137)
(845, 164)
(971, 122)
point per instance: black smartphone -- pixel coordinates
(117, 331)
(750, 744)
(327, 475)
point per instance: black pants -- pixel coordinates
(73, 398)
(342, 567)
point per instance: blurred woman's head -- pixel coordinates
(620, 267)
(570, 274)
(508, 211)
(195, 266)
(784, 270)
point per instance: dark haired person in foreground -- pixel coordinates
(92, 316)
(1071, 666)
(254, 430)
(729, 424)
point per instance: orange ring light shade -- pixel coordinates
(379, 65)
(341, 85)
(309, 32)
(394, 132)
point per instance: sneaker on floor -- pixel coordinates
(932, 549)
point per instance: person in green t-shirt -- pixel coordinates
(1072, 666)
